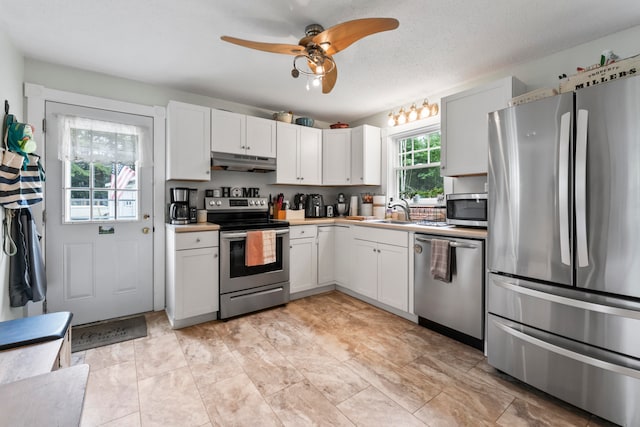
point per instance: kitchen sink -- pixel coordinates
(400, 222)
(390, 221)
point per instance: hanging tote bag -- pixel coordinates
(21, 175)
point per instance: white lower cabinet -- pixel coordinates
(342, 255)
(393, 276)
(303, 258)
(381, 266)
(326, 251)
(365, 268)
(192, 277)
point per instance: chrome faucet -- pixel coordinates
(402, 203)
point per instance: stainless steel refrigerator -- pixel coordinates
(564, 247)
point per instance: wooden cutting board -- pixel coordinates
(357, 217)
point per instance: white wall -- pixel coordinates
(11, 72)
(84, 82)
(536, 74)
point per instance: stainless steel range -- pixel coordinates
(243, 288)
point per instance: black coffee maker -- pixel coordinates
(179, 208)
(314, 206)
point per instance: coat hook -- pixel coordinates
(6, 106)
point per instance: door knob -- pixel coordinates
(146, 216)
(145, 230)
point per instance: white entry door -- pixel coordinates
(98, 205)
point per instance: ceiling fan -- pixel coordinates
(317, 47)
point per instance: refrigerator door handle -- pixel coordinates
(583, 358)
(563, 187)
(581, 188)
(569, 302)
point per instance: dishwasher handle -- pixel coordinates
(453, 244)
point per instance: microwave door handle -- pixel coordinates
(581, 188)
(563, 187)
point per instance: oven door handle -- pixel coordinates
(229, 236)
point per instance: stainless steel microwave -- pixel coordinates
(468, 209)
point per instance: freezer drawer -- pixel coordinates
(459, 304)
(604, 383)
(607, 322)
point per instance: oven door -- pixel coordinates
(236, 276)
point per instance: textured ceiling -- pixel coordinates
(439, 44)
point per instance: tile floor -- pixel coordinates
(328, 359)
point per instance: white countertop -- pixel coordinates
(188, 228)
(451, 230)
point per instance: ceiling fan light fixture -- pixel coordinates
(319, 45)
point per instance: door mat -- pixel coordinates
(109, 332)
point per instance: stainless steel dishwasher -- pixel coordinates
(455, 308)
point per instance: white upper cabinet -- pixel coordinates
(336, 156)
(366, 150)
(261, 137)
(240, 134)
(299, 155)
(228, 132)
(188, 142)
(464, 125)
(351, 156)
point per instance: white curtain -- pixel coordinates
(140, 152)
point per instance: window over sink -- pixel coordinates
(417, 163)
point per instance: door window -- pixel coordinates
(101, 161)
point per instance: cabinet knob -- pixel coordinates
(374, 250)
(243, 147)
(215, 255)
(378, 250)
(290, 247)
(207, 172)
(248, 148)
(198, 240)
(347, 179)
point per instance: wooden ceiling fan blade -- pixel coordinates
(287, 49)
(341, 36)
(329, 80)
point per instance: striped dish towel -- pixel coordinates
(440, 260)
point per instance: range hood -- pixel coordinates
(242, 163)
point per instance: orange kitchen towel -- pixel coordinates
(441, 260)
(260, 248)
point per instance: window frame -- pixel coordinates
(68, 189)
(424, 127)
